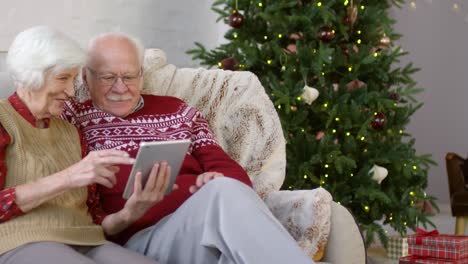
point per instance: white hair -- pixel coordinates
(140, 49)
(39, 50)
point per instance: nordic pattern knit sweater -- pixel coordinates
(161, 118)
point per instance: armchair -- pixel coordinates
(457, 190)
(247, 126)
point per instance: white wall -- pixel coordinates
(170, 25)
(437, 38)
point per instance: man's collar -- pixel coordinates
(139, 106)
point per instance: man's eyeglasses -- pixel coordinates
(109, 79)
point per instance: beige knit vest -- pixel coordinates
(34, 153)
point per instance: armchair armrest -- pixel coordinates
(306, 216)
(345, 242)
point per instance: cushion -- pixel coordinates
(306, 215)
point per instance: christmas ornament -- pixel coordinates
(295, 36)
(384, 42)
(319, 135)
(236, 19)
(379, 122)
(291, 48)
(335, 87)
(346, 50)
(394, 96)
(309, 94)
(229, 64)
(325, 34)
(378, 173)
(351, 15)
(425, 207)
(353, 85)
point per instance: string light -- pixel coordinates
(322, 182)
(358, 41)
(334, 131)
(362, 7)
(305, 176)
(265, 37)
(220, 64)
(280, 35)
(348, 134)
(325, 105)
(365, 150)
(362, 138)
(326, 175)
(235, 35)
(260, 4)
(279, 106)
(269, 61)
(323, 74)
(359, 32)
(401, 131)
(337, 119)
(302, 130)
(319, 4)
(326, 166)
(350, 68)
(366, 208)
(314, 51)
(376, 54)
(346, 2)
(338, 202)
(411, 193)
(351, 174)
(299, 98)
(415, 167)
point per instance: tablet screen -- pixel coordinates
(151, 152)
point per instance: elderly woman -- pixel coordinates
(43, 181)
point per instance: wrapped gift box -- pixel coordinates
(424, 260)
(397, 247)
(434, 245)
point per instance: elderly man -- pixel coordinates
(213, 216)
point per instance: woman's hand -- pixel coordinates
(203, 179)
(97, 167)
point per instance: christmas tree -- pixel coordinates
(331, 69)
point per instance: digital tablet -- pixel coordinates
(151, 152)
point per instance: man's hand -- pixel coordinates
(203, 179)
(144, 198)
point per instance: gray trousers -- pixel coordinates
(225, 222)
(53, 252)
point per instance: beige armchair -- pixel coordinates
(247, 126)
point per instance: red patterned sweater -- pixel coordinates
(161, 118)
